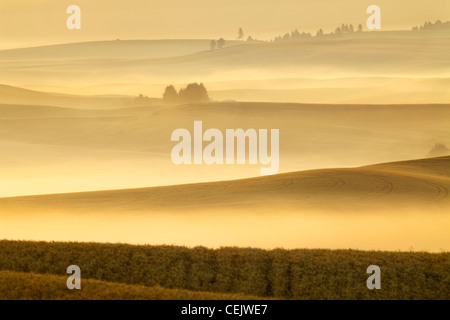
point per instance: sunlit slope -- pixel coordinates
(417, 183)
(394, 206)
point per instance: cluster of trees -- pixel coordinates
(438, 25)
(293, 36)
(345, 28)
(141, 100)
(292, 274)
(296, 35)
(219, 44)
(241, 36)
(194, 92)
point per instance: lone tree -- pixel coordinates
(220, 43)
(170, 95)
(240, 34)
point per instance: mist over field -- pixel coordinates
(71, 122)
(360, 151)
(378, 67)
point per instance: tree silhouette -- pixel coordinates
(170, 95)
(295, 35)
(344, 28)
(194, 92)
(438, 25)
(240, 34)
(220, 43)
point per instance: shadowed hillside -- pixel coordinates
(32, 286)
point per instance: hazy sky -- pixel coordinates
(32, 22)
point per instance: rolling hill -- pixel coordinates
(390, 65)
(49, 146)
(416, 183)
(16, 95)
(118, 49)
(393, 206)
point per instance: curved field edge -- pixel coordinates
(291, 274)
(31, 286)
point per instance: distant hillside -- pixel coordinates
(392, 49)
(118, 49)
(146, 67)
(15, 95)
